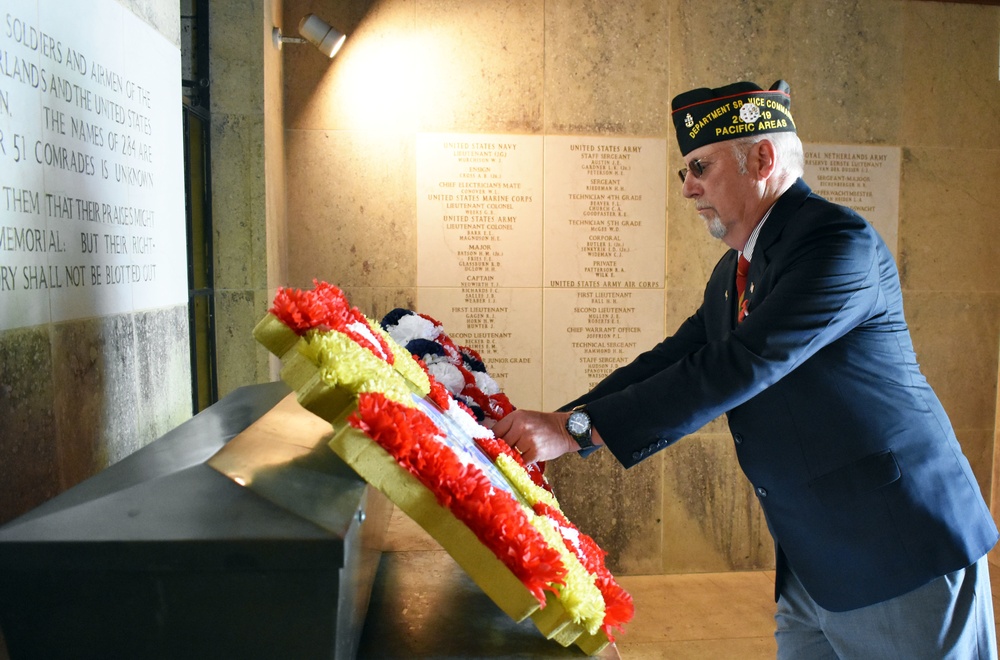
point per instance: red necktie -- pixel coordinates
(742, 268)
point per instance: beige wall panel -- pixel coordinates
(243, 76)
(620, 509)
(429, 65)
(376, 302)
(948, 330)
(691, 252)
(238, 201)
(711, 518)
(978, 447)
(951, 96)
(948, 218)
(605, 202)
(845, 69)
(372, 83)
(315, 93)
(241, 360)
(606, 67)
(352, 209)
(716, 43)
(237, 39)
(239, 224)
(862, 177)
(481, 65)
(946, 327)
(680, 305)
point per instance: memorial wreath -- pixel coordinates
(426, 403)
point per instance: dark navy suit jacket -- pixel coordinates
(861, 479)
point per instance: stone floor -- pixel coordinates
(697, 616)
(709, 615)
(680, 617)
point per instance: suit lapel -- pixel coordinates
(770, 234)
(722, 292)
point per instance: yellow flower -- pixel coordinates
(581, 597)
(343, 364)
(528, 489)
(403, 362)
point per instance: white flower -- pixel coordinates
(365, 331)
(413, 326)
(446, 373)
(486, 383)
(468, 424)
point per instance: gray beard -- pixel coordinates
(716, 228)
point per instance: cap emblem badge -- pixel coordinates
(749, 113)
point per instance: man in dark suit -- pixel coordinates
(880, 529)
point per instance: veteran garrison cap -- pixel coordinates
(703, 116)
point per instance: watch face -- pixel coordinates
(578, 423)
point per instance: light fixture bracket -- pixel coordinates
(278, 39)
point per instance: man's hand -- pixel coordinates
(539, 436)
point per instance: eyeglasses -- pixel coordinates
(696, 168)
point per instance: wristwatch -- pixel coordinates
(578, 426)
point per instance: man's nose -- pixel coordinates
(691, 187)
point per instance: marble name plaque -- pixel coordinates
(479, 210)
(591, 332)
(605, 212)
(519, 231)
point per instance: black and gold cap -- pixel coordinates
(704, 116)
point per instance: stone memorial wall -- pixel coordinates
(545, 254)
(92, 189)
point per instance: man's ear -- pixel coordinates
(765, 159)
